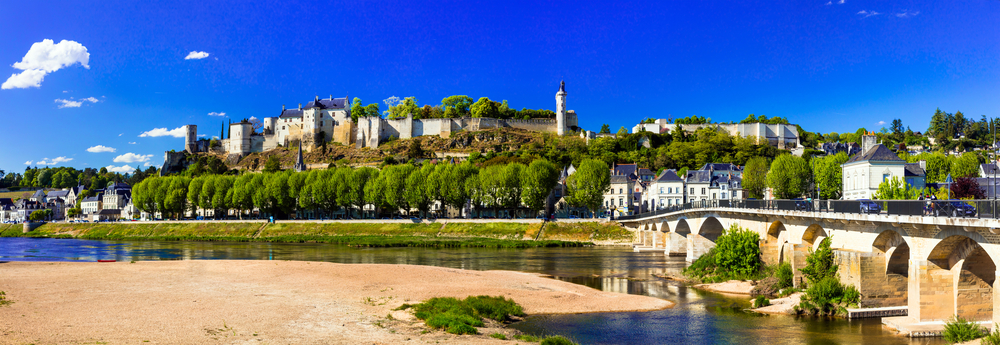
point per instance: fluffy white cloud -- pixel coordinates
(54, 161)
(163, 132)
(868, 13)
(216, 114)
(67, 103)
(101, 148)
(124, 169)
(841, 2)
(27, 163)
(880, 123)
(196, 55)
(121, 134)
(71, 103)
(148, 164)
(43, 58)
(132, 158)
(131, 143)
(907, 14)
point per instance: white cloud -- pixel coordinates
(121, 134)
(880, 123)
(196, 55)
(101, 148)
(907, 14)
(43, 58)
(216, 114)
(868, 13)
(131, 143)
(252, 118)
(54, 161)
(124, 169)
(201, 135)
(132, 158)
(64, 91)
(27, 163)
(71, 103)
(841, 2)
(828, 3)
(163, 132)
(66, 103)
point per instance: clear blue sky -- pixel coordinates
(828, 66)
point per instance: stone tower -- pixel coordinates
(561, 109)
(868, 141)
(191, 138)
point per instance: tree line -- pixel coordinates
(359, 192)
(450, 107)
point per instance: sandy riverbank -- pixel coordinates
(274, 302)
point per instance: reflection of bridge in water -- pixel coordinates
(937, 266)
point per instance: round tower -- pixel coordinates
(191, 138)
(561, 109)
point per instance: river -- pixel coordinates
(699, 317)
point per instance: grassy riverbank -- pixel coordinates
(456, 234)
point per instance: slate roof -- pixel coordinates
(699, 176)
(619, 179)
(914, 170)
(624, 169)
(57, 194)
(335, 103)
(990, 169)
(287, 113)
(92, 198)
(644, 172)
(669, 175)
(878, 153)
(6, 202)
(110, 212)
(721, 167)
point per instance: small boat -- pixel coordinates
(106, 260)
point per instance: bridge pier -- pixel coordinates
(676, 244)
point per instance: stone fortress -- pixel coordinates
(777, 135)
(329, 120)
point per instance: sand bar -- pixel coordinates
(257, 302)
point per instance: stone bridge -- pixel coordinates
(936, 266)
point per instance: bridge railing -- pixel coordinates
(927, 208)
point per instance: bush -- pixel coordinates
(526, 337)
(959, 330)
(557, 340)
(761, 302)
(819, 264)
(739, 251)
(463, 316)
(993, 338)
(829, 296)
(498, 336)
(785, 276)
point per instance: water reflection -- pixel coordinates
(699, 317)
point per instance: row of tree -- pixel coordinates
(395, 189)
(66, 177)
(450, 107)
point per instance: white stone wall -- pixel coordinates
(861, 179)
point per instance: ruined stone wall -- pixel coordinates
(534, 125)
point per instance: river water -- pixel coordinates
(699, 317)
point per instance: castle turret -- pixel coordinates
(561, 109)
(191, 138)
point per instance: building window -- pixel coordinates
(723, 195)
(661, 190)
(621, 202)
(703, 191)
(723, 187)
(885, 177)
(621, 191)
(692, 190)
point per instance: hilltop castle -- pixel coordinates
(329, 120)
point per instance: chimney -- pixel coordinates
(317, 98)
(868, 141)
(923, 165)
(331, 97)
(282, 107)
(300, 106)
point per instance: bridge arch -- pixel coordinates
(813, 235)
(896, 252)
(682, 228)
(959, 280)
(711, 228)
(772, 247)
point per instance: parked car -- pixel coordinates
(955, 208)
(803, 205)
(870, 207)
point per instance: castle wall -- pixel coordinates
(535, 125)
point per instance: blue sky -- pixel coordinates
(826, 65)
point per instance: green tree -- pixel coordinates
(829, 175)
(272, 165)
(738, 251)
(408, 106)
(537, 183)
(967, 165)
(484, 107)
(358, 181)
(374, 190)
(457, 105)
(588, 185)
(820, 264)
(357, 110)
(415, 191)
(605, 129)
(622, 132)
(788, 177)
(755, 177)
(896, 189)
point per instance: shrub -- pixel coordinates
(526, 337)
(761, 301)
(557, 340)
(785, 276)
(993, 338)
(739, 251)
(959, 330)
(828, 296)
(498, 336)
(819, 264)
(463, 316)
